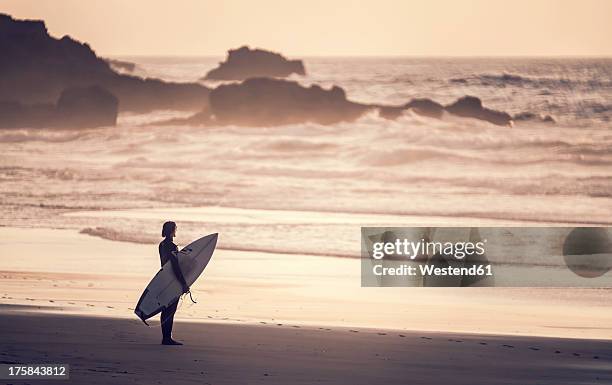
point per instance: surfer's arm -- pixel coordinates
(177, 271)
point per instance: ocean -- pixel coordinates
(308, 188)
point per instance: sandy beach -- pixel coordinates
(120, 351)
(88, 275)
(261, 317)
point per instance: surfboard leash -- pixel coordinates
(190, 297)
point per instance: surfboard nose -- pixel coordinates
(213, 237)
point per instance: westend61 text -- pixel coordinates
(408, 270)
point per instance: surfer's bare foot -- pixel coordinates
(171, 342)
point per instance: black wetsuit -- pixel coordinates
(166, 247)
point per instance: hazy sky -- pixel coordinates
(330, 27)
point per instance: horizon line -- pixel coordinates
(373, 56)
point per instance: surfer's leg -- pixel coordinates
(167, 319)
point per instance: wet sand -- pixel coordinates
(122, 351)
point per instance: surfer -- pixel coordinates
(166, 247)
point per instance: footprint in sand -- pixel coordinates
(401, 335)
(295, 326)
(557, 351)
(382, 334)
(263, 323)
(508, 346)
(532, 348)
(110, 307)
(88, 304)
(425, 338)
(595, 357)
(353, 331)
(576, 354)
(482, 343)
(279, 324)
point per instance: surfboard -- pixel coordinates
(165, 288)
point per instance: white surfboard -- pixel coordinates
(165, 288)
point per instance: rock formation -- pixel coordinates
(87, 107)
(471, 107)
(36, 68)
(467, 107)
(265, 101)
(527, 116)
(426, 107)
(77, 107)
(271, 102)
(244, 63)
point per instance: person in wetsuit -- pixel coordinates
(166, 247)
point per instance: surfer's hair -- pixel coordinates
(168, 229)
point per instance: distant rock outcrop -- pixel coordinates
(389, 112)
(36, 68)
(87, 107)
(271, 102)
(471, 107)
(77, 107)
(426, 107)
(530, 116)
(467, 107)
(16, 115)
(244, 63)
